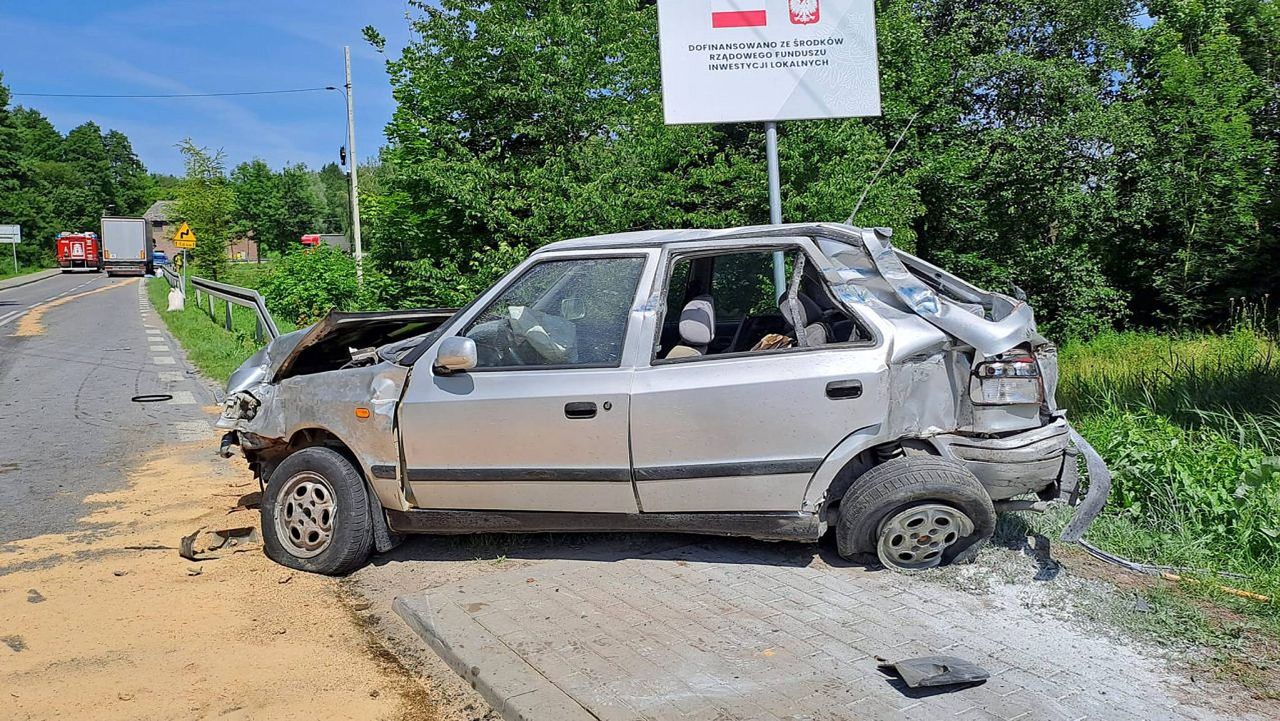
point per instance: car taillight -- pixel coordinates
(1008, 380)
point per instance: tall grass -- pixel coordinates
(1190, 426)
(209, 345)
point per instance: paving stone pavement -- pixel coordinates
(724, 630)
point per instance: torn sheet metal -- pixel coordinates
(1011, 322)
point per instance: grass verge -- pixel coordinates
(214, 350)
(1190, 427)
(7, 272)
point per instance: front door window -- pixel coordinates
(559, 313)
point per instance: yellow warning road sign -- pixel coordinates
(185, 237)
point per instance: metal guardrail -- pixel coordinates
(236, 295)
(175, 280)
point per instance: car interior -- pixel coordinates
(724, 303)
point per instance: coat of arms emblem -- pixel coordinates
(803, 12)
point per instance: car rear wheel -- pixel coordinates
(315, 513)
(913, 513)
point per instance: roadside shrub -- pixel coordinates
(305, 284)
(1191, 483)
(1190, 426)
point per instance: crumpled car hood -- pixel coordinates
(261, 366)
(324, 345)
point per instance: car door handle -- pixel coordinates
(840, 390)
(582, 409)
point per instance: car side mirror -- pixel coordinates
(455, 355)
(573, 309)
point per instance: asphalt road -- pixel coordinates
(68, 428)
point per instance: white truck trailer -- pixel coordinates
(126, 246)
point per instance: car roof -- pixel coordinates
(658, 238)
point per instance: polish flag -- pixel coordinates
(738, 19)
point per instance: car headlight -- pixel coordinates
(240, 406)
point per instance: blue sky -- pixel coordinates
(182, 46)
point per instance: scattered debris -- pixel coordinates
(185, 547)
(194, 570)
(201, 546)
(285, 578)
(118, 573)
(34, 596)
(15, 643)
(124, 696)
(935, 671)
(361, 606)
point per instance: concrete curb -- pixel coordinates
(28, 279)
(511, 686)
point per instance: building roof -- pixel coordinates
(159, 210)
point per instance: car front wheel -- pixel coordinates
(315, 513)
(915, 512)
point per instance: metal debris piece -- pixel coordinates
(937, 671)
(185, 548)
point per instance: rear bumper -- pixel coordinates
(126, 267)
(1041, 461)
(1013, 465)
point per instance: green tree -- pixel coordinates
(127, 175)
(525, 123)
(257, 203)
(335, 216)
(206, 200)
(299, 207)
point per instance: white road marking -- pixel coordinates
(6, 318)
(192, 430)
(183, 397)
(171, 376)
(164, 360)
(159, 349)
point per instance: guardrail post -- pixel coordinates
(210, 307)
(257, 330)
(228, 314)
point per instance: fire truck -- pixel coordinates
(79, 251)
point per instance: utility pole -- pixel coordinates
(353, 163)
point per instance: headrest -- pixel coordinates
(698, 321)
(809, 310)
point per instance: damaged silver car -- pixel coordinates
(656, 381)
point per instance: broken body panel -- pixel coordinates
(932, 336)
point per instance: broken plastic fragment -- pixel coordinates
(937, 671)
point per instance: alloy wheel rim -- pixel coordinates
(305, 514)
(917, 537)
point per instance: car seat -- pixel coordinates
(808, 319)
(697, 328)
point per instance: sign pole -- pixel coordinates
(15, 258)
(775, 202)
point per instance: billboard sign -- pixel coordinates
(729, 61)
